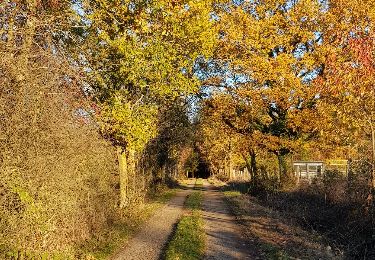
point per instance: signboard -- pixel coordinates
(337, 162)
(338, 165)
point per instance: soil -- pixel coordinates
(150, 241)
(225, 239)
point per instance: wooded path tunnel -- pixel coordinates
(203, 170)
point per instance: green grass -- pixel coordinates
(188, 241)
(108, 241)
(232, 193)
(194, 201)
(164, 196)
(199, 182)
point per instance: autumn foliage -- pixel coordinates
(104, 102)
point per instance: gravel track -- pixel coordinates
(224, 236)
(150, 241)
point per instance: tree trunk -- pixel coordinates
(230, 166)
(253, 163)
(248, 166)
(124, 179)
(282, 166)
(226, 166)
(132, 172)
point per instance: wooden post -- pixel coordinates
(307, 172)
(298, 173)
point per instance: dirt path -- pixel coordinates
(149, 242)
(224, 236)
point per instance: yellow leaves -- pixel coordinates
(130, 123)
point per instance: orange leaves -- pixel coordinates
(363, 49)
(348, 81)
(311, 70)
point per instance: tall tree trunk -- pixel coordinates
(132, 172)
(282, 166)
(251, 165)
(124, 178)
(226, 166)
(230, 166)
(253, 162)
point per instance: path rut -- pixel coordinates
(149, 242)
(224, 236)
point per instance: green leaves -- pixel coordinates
(145, 50)
(132, 124)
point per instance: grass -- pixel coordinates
(164, 196)
(28, 255)
(232, 193)
(241, 187)
(194, 201)
(199, 182)
(188, 241)
(106, 243)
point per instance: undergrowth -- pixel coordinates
(336, 210)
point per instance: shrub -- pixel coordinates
(58, 176)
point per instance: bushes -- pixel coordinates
(336, 208)
(340, 209)
(58, 176)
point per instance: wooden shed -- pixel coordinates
(308, 169)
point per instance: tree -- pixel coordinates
(273, 49)
(347, 84)
(221, 146)
(140, 56)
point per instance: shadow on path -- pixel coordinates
(224, 236)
